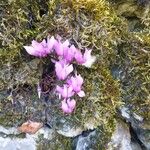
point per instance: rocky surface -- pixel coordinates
(121, 139)
(88, 140)
(11, 139)
(115, 113)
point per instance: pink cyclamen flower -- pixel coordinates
(61, 47)
(85, 59)
(76, 83)
(79, 57)
(68, 105)
(65, 91)
(63, 69)
(50, 43)
(88, 58)
(37, 49)
(69, 53)
(41, 49)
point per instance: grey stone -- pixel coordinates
(121, 138)
(68, 128)
(29, 142)
(87, 141)
(17, 144)
(144, 137)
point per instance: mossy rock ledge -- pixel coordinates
(117, 81)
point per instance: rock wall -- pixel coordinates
(117, 86)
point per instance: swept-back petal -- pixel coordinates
(79, 57)
(59, 89)
(30, 50)
(69, 69)
(87, 54)
(58, 69)
(75, 82)
(35, 43)
(68, 54)
(50, 43)
(88, 58)
(44, 44)
(81, 94)
(62, 69)
(70, 91)
(58, 48)
(65, 92)
(66, 44)
(79, 79)
(71, 104)
(65, 107)
(37, 49)
(89, 62)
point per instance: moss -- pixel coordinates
(136, 83)
(92, 24)
(102, 99)
(134, 59)
(10, 115)
(56, 143)
(100, 31)
(21, 23)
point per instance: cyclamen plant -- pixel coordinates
(65, 54)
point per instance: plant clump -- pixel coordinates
(91, 24)
(63, 54)
(100, 32)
